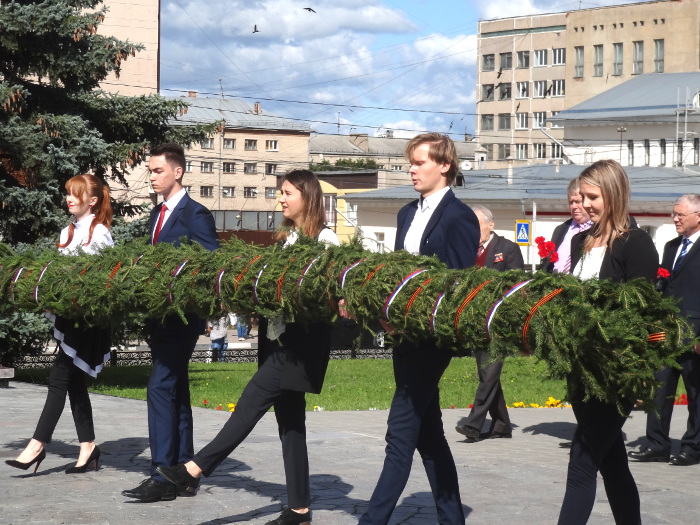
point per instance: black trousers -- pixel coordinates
(66, 379)
(659, 426)
(489, 397)
(262, 392)
(598, 446)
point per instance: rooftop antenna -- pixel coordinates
(221, 86)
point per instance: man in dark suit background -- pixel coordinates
(681, 259)
(500, 254)
(563, 233)
(436, 224)
(172, 342)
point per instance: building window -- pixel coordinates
(188, 189)
(250, 168)
(504, 91)
(617, 59)
(207, 143)
(521, 120)
(521, 151)
(270, 193)
(539, 119)
(229, 143)
(540, 89)
(488, 62)
(206, 191)
(188, 166)
(506, 61)
(630, 153)
(522, 89)
(559, 56)
(251, 145)
(270, 169)
(396, 167)
(207, 167)
(503, 151)
(229, 167)
(679, 153)
(487, 92)
(557, 151)
(647, 152)
(329, 204)
(637, 57)
(250, 192)
(555, 124)
(271, 145)
(523, 59)
(504, 121)
(540, 57)
(578, 62)
(558, 88)
(540, 150)
(662, 152)
(228, 192)
(659, 56)
(489, 151)
(696, 151)
(486, 122)
(598, 60)
(351, 213)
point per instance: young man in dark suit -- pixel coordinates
(435, 224)
(172, 342)
(500, 254)
(681, 259)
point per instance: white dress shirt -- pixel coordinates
(426, 207)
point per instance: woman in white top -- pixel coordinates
(611, 249)
(292, 361)
(83, 349)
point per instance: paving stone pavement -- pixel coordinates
(519, 480)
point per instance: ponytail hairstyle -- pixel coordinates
(314, 219)
(610, 177)
(86, 187)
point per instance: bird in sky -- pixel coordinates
(310, 10)
(255, 29)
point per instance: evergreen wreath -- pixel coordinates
(607, 338)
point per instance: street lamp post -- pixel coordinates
(621, 130)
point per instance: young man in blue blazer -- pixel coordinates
(178, 218)
(435, 224)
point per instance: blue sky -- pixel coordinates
(352, 66)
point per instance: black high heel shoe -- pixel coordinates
(24, 466)
(94, 456)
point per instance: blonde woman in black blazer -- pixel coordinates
(293, 360)
(611, 249)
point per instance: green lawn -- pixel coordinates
(351, 384)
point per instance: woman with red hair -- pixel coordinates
(83, 349)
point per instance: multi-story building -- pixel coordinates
(533, 67)
(234, 172)
(136, 21)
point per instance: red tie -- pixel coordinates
(159, 225)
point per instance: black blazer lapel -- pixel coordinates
(405, 225)
(435, 217)
(691, 253)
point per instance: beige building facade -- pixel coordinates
(533, 67)
(138, 22)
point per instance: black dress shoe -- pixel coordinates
(186, 484)
(566, 444)
(289, 517)
(151, 490)
(469, 432)
(647, 454)
(500, 435)
(684, 459)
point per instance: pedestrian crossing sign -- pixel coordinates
(522, 232)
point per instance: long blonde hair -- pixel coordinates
(614, 186)
(314, 219)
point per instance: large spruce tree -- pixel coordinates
(55, 122)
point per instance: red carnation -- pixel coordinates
(539, 240)
(663, 273)
(554, 257)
